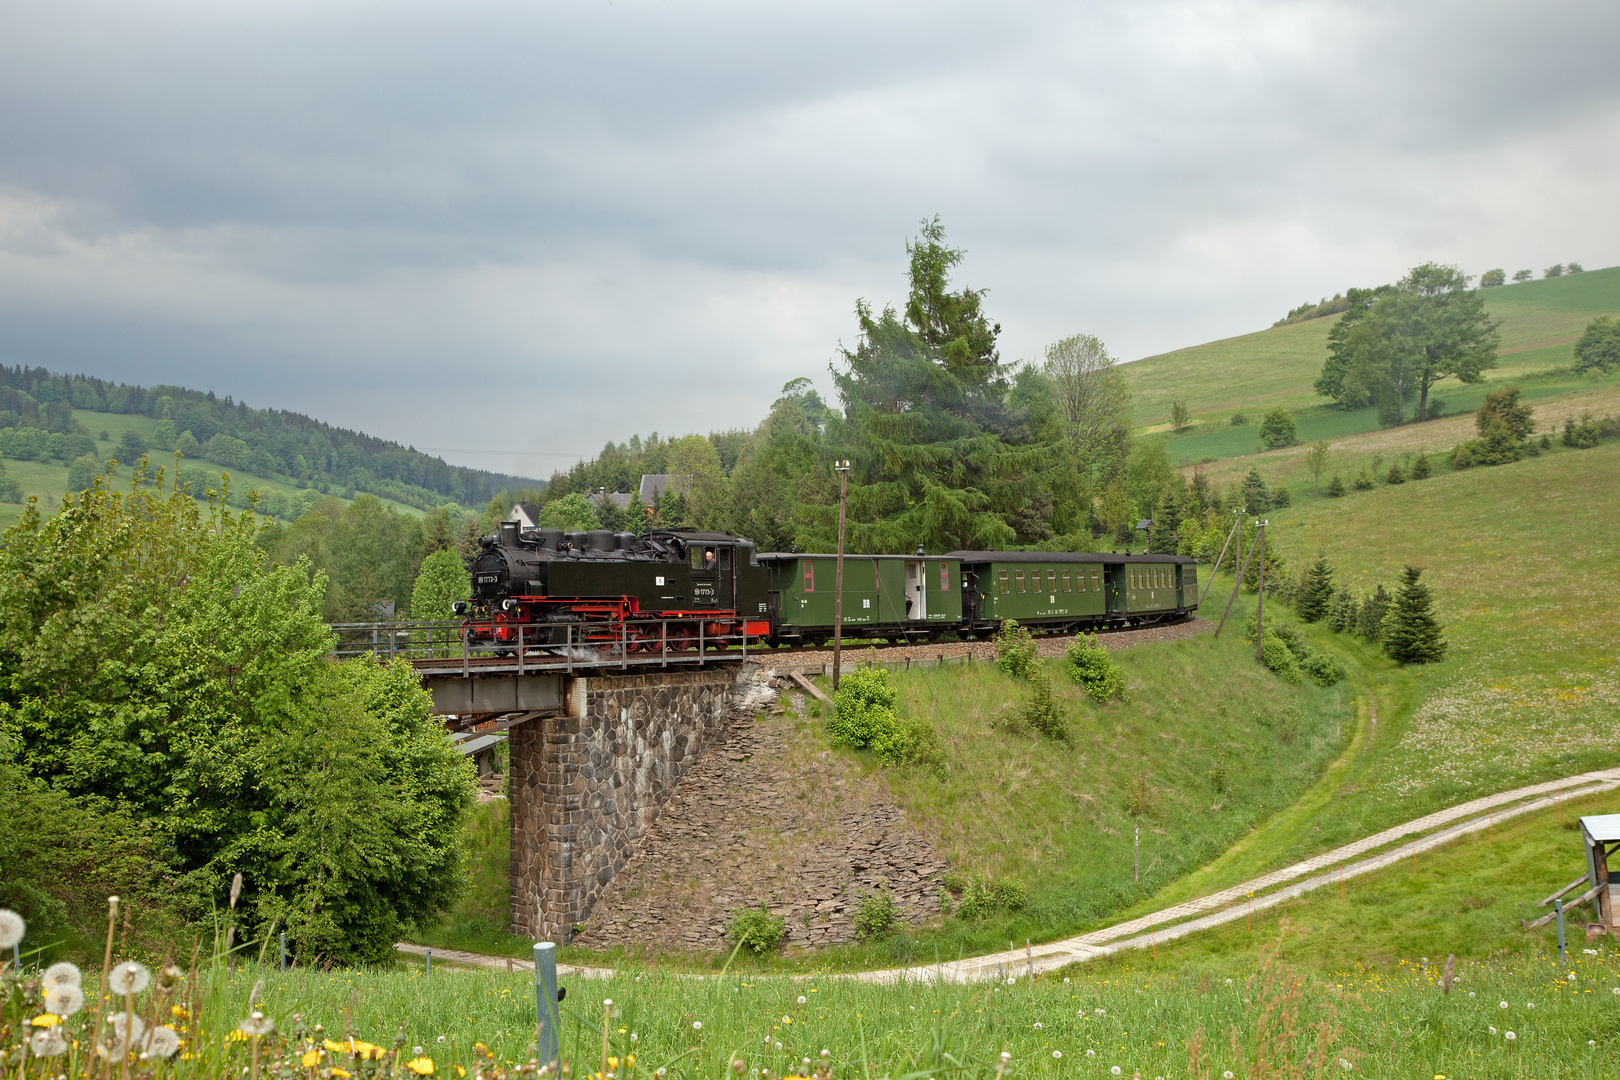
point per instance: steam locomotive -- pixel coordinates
(678, 590)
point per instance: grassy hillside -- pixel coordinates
(1540, 322)
(48, 479)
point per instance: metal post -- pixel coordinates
(1136, 867)
(838, 586)
(1260, 605)
(284, 950)
(545, 1001)
(520, 649)
(1237, 522)
(429, 962)
(1558, 906)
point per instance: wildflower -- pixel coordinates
(607, 1003)
(1227, 1075)
(1058, 1054)
(825, 1054)
(441, 1038)
(1589, 952)
(1091, 1053)
(1529, 1004)
(697, 1025)
(787, 1019)
(417, 1050)
(1501, 1004)
(342, 1074)
(161, 1042)
(1228, 982)
(1492, 1029)
(1470, 993)
(128, 977)
(1614, 990)
(1065, 980)
(421, 1066)
(64, 1000)
(1006, 1056)
(1591, 1042)
(803, 1000)
(1100, 1012)
(1572, 976)
(60, 974)
(11, 928)
(1038, 1026)
(47, 1042)
(1509, 1036)
(1114, 1071)
(310, 1059)
(256, 1024)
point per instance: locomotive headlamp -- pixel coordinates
(458, 607)
(509, 604)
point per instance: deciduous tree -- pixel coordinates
(1316, 460)
(1599, 346)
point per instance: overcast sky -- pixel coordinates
(527, 228)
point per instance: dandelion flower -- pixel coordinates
(1501, 1004)
(1529, 1004)
(607, 1003)
(697, 1025)
(256, 1024)
(803, 1000)
(161, 1042)
(1572, 976)
(64, 1000)
(1492, 1029)
(61, 974)
(1470, 993)
(1065, 980)
(1100, 1012)
(310, 1059)
(1591, 1042)
(1006, 1056)
(1509, 1036)
(421, 1066)
(1039, 1025)
(1058, 1054)
(1589, 952)
(1114, 1071)
(1614, 990)
(47, 1042)
(11, 928)
(1228, 982)
(1227, 1075)
(128, 977)
(47, 1020)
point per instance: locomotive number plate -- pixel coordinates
(487, 579)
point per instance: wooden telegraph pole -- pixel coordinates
(1242, 559)
(1260, 604)
(1237, 530)
(838, 594)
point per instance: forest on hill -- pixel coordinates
(37, 422)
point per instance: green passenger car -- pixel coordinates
(1076, 590)
(888, 596)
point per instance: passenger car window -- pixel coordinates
(809, 575)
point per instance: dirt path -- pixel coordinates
(1223, 906)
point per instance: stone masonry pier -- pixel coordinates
(586, 786)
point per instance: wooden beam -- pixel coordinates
(1562, 891)
(1583, 898)
(810, 688)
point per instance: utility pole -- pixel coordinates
(1237, 522)
(838, 594)
(1243, 568)
(1260, 603)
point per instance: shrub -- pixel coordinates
(863, 710)
(756, 930)
(1324, 670)
(1462, 456)
(1015, 649)
(1370, 619)
(1421, 468)
(1092, 668)
(1281, 496)
(1395, 475)
(1042, 711)
(919, 745)
(1010, 895)
(1335, 488)
(875, 914)
(1582, 434)
(1238, 419)
(1277, 657)
(1364, 481)
(978, 900)
(1545, 442)
(1277, 429)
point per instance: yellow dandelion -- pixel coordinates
(311, 1058)
(46, 1020)
(422, 1066)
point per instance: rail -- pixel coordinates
(439, 647)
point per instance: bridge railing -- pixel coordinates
(605, 644)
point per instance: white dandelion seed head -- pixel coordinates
(1589, 952)
(161, 1042)
(1470, 993)
(1100, 1012)
(697, 1025)
(1501, 1004)
(1228, 982)
(1058, 1054)
(1529, 1004)
(417, 1050)
(12, 928)
(1065, 981)
(128, 977)
(1591, 1042)
(61, 973)
(64, 1000)
(1615, 990)
(803, 1000)
(1492, 1029)
(128, 1028)
(1509, 1036)
(1227, 1075)
(256, 1024)
(1091, 1053)
(1572, 976)
(1006, 1056)
(1039, 1025)
(607, 1003)
(1114, 1071)
(633, 1037)
(825, 1054)
(47, 1042)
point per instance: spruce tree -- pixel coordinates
(1256, 500)
(1317, 592)
(1370, 620)
(1412, 635)
(1342, 612)
(1335, 487)
(1166, 520)
(1420, 467)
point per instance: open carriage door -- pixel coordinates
(916, 589)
